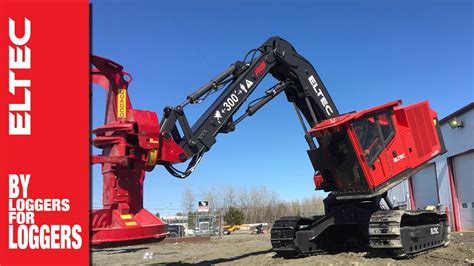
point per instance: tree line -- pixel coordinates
(258, 204)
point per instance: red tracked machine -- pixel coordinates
(359, 157)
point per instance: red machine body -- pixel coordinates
(131, 144)
(359, 157)
(372, 150)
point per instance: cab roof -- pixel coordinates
(351, 116)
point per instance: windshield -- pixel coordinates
(373, 132)
(342, 160)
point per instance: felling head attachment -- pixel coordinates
(131, 144)
(137, 131)
(129, 136)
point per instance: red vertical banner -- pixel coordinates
(44, 132)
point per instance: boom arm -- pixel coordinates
(296, 76)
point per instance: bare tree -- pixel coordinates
(311, 206)
(244, 203)
(273, 206)
(229, 197)
(258, 204)
(188, 199)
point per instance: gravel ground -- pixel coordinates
(246, 249)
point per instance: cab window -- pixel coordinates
(373, 133)
(385, 125)
(369, 137)
(342, 161)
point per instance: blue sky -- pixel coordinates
(366, 52)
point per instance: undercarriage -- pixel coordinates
(361, 224)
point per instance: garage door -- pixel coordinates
(464, 178)
(425, 188)
(399, 195)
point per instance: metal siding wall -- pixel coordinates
(458, 140)
(464, 177)
(425, 189)
(444, 190)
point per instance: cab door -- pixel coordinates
(387, 133)
(374, 132)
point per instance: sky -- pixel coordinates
(366, 52)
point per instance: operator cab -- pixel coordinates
(360, 152)
(342, 169)
(373, 132)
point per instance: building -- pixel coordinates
(449, 179)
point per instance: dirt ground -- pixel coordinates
(246, 249)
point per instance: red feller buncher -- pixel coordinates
(358, 157)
